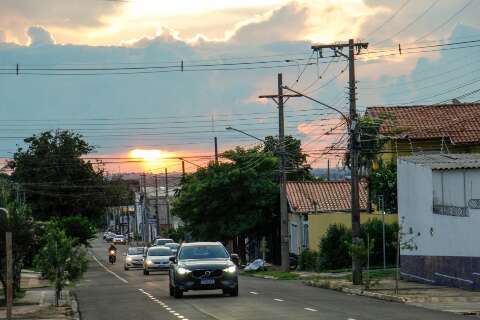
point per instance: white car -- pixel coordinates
(157, 259)
(119, 239)
(162, 241)
(134, 258)
(174, 246)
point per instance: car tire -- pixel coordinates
(172, 290)
(125, 268)
(234, 292)
(177, 293)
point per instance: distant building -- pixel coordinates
(439, 204)
(429, 129)
(315, 205)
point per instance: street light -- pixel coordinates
(245, 133)
(8, 252)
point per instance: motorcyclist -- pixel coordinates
(112, 253)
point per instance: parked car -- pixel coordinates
(119, 239)
(134, 258)
(203, 266)
(174, 246)
(109, 236)
(162, 242)
(157, 258)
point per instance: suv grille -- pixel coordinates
(202, 273)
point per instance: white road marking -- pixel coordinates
(176, 314)
(173, 312)
(313, 310)
(109, 271)
(351, 319)
(279, 300)
(253, 292)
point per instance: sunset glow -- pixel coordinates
(153, 159)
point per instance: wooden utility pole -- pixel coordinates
(166, 198)
(8, 265)
(156, 205)
(354, 144)
(328, 169)
(183, 168)
(144, 213)
(216, 150)
(279, 99)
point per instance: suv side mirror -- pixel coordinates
(235, 258)
(172, 259)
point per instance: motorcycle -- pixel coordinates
(112, 256)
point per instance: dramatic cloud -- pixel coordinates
(39, 36)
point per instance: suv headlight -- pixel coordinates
(149, 262)
(230, 269)
(129, 259)
(183, 271)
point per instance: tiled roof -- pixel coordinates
(323, 196)
(458, 122)
(446, 161)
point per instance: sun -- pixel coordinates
(152, 159)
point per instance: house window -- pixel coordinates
(449, 193)
(293, 238)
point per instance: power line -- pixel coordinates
(390, 18)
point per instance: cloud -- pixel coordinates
(39, 36)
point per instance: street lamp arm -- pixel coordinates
(245, 133)
(319, 102)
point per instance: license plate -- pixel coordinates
(207, 281)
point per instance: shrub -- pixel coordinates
(334, 248)
(308, 261)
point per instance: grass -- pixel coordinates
(279, 275)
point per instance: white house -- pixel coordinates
(439, 211)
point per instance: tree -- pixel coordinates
(61, 259)
(383, 182)
(23, 238)
(56, 180)
(77, 228)
(296, 160)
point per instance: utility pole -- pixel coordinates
(284, 234)
(166, 198)
(9, 265)
(328, 169)
(156, 205)
(144, 213)
(183, 168)
(354, 144)
(216, 150)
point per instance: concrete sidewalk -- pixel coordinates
(427, 296)
(39, 301)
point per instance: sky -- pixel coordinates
(112, 70)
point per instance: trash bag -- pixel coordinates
(255, 265)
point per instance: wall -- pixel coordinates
(447, 245)
(319, 223)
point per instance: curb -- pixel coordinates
(358, 292)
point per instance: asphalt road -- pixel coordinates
(109, 292)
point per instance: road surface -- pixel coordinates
(109, 292)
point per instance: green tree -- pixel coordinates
(61, 259)
(335, 248)
(23, 237)
(383, 183)
(77, 228)
(225, 200)
(296, 161)
(56, 180)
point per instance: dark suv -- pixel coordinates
(203, 266)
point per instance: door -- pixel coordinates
(293, 238)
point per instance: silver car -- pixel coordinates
(134, 258)
(157, 258)
(174, 246)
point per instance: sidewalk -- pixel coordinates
(427, 296)
(39, 301)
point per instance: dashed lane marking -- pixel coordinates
(170, 310)
(109, 271)
(253, 292)
(279, 300)
(313, 310)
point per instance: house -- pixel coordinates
(439, 210)
(315, 205)
(448, 128)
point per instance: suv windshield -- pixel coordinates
(203, 252)
(156, 252)
(135, 251)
